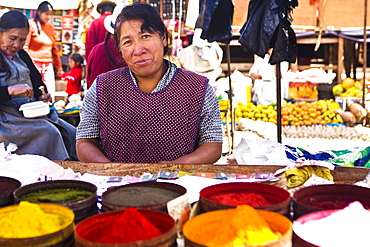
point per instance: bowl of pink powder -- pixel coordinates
(333, 228)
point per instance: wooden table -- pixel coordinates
(348, 175)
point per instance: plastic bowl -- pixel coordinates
(35, 109)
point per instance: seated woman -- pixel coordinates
(149, 111)
(47, 136)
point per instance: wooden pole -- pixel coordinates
(364, 65)
(278, 102)
(232, 117)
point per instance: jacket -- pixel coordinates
(41, 47)
(35, 76)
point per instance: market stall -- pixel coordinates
(202, 177)
(294, 169)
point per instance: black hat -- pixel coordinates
(103, 3)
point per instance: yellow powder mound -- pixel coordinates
(28, 220)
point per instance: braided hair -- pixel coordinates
(10, 20)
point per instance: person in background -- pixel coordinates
(74, 76)
(105, 56)
(20, 80)
(149, 111)
(264, 75)
(41, 47)
(97, 32)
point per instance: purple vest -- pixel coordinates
(139, 127)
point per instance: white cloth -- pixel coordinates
(29, 168)
(265, 89)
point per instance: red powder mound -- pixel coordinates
(234, 199)
(130, 226)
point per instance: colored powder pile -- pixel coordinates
(234, 199)
(343, 228)
(129, 226)
(242, 226)
(56, 195)
(27, 221)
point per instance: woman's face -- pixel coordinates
(13, 40)
(45, 16)
(142, 51)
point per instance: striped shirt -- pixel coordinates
(210, 129)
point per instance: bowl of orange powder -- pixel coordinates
(240, 226)
(257, 195)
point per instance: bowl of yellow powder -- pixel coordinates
(36, 224)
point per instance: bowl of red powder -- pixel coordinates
(257, 195)
(125, 228)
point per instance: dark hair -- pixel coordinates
(152, 22)
(10, 20)
(77, 58)
(43, 7)
(13, 19)
(106, 8)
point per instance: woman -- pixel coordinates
(150, 111)
(41, 47)
(96, 32)
(19, 84)
(105, 56)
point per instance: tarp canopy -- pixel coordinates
(31, 4)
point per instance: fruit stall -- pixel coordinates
(307, 122)
(304, 107)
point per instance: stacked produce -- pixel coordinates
(295, 114)
(324, 132)
(255, 112)
(348, 88)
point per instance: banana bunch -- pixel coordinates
(328, 104)
(330, 111)
(336, 118)
(323, 104)
(332, 105)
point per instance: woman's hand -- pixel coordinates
(46, 98)
(21, 89)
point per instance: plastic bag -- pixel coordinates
(359, 156)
